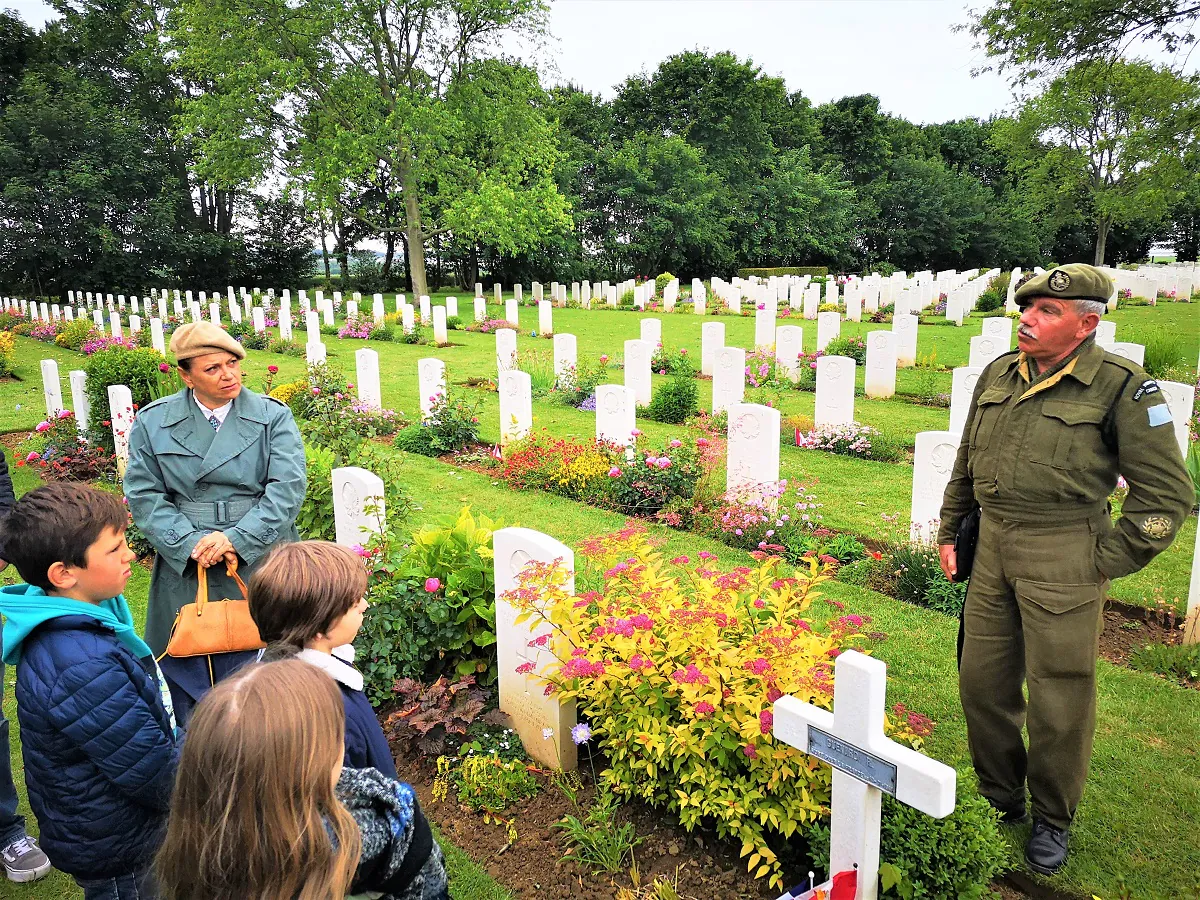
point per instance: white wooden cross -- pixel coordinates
(865, 764)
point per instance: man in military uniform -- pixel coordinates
(1050, 428)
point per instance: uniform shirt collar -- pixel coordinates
(1087, 357)
(220, 412)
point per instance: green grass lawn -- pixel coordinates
(1139, 820)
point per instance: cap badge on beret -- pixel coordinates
(1059, 281)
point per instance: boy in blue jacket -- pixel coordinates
(97, 731)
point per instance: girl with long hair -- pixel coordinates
(263, 809)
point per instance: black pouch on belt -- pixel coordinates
(964, 543)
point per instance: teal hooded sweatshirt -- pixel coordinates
(25, 607)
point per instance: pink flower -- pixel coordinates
(676, 443)
(766, 720)
(636, 432)
(680, 561)
(432, 584)
(701, 442)
(316, 391)
(759, 603)
(663, 462)
(651, 462)
(704, 708)
(274, 370)
(31, 457)
(704, 554)
(65, 414)
(614, 472)
(757, 666)
(749, 751)
(164, 367)
(604, 357)
(525, 668)
(42, 426)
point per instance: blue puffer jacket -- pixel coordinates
(100, 751)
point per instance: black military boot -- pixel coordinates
(1046, 851)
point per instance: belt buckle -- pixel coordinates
(220, 512)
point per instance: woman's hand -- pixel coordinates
(211, 549)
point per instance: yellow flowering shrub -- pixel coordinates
(8, 353)
(677, 665)
(286, 391)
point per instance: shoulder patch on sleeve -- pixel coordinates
(1148, 388)
(1159, 415)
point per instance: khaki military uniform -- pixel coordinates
(1041, 457)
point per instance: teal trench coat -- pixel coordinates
(184, 480)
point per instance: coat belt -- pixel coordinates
(214, 513)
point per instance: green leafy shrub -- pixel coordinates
(8, 353)
(1179, 661)
(814, 271)
(454, 323)
(75, 333)
(416, 336)
(856, 573)
(946, 596)
(675, 402)
(662, 281)
(485, 784)
(627, 298)
(137, 368)
(995, 295)
(452, 425)
(432, 605)
(287, 348)
(852, 346)
(921, 857)
(919, 569)
(1165, 350)
(828, 307)
(596, 842)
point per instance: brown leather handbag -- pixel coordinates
(214, 626)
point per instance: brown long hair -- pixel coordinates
(254, 793)
(302, 588)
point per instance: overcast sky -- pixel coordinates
(904, 51)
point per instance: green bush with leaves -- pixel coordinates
(814, 271)
(1166, 350)
(995, 295)
(75, 332)
(432, 604)
(852, 346)
(452, 425)
(676, 401)
(137, 368)
(922, 857)
(287, 348)
(662, 281)
(1178, 661)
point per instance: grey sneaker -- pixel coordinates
(24, 860)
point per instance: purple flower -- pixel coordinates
(581, 733)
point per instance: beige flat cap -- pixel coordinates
(199, 338)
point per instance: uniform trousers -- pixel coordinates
(1033, 615)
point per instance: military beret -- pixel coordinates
(1075, 281)
(199, 338)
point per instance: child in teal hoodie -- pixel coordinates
(98, 736)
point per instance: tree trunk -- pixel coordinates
(389, 255)
(324, 244)
(472, 272)
(1103, 224)
(412, 226)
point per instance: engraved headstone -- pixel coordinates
(516, 406)
(962, 389)
(358, 508)
(506, 349)
(79, 399)
(752, 460)
(51, 388)
(729, 378)
(431, 383)
(366, 366)
(933, 463)
(564, 356)
(829, 326)
(835, 391)
(440, 334)
(637, 369)
(789, 344)
(905, 327)
(616, 414)
(712, 339)
(120, 413)
(879, 381)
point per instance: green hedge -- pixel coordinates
(814, 271)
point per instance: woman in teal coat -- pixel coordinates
(214, 470)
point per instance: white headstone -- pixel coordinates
(366, 366)
(378, 310)
(451, 307)
(545, 317)
(1133, 352)
(905, 327)
(285, 323)
(651, 332)
(157, 340)
(1181, 398)
(516, 405)
(789, 344)
(120, 413)
(865, 765)
(259, 318)
(114, 319)
(829, 326)
(408, 318)
(480, 309)
(616, 414)
(729, 378)
(135, 324)
(512, 310)
(638, 355)
(752, 461)
(506, 349)
(79, 399)
(835, 391)
(999, 329)
(764, 326)
(933, 463)
(1106, 333)
(424, 305)
(440, 335)
(51, 388)
(712, 339)
(565, 355)
(98, 318)
(358, 509)
(431, 382)
(984, 349)
(962, 389)
(879, 381)
(315, 352)
(522, 693)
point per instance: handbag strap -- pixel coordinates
(231, 569)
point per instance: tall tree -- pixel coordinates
(405, 87)
(1107, 140)
(1033, 38)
